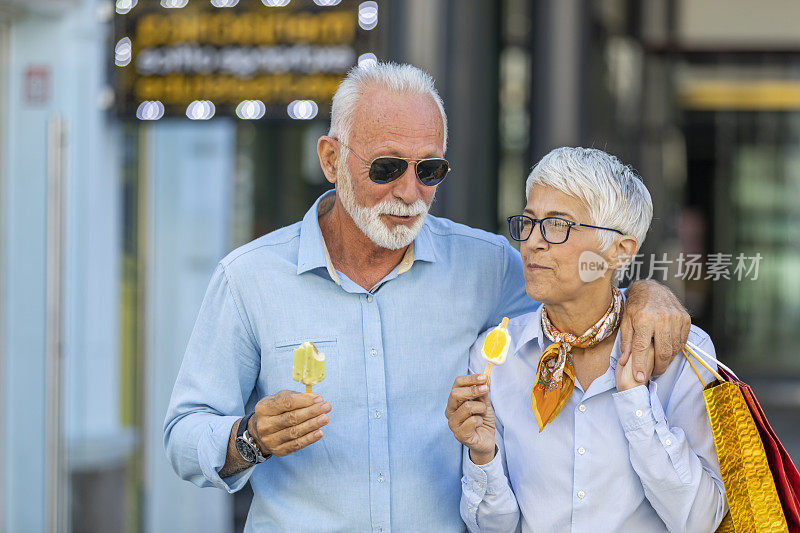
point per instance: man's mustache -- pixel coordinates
(402, 209)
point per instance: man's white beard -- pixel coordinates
(368, 219)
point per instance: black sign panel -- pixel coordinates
(246, 58)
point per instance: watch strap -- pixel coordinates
(243, 425)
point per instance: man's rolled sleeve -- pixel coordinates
(212, 452)
(215, 381)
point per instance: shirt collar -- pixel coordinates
(616, 352)
(313, 253)
(532, 331)
(423, 244)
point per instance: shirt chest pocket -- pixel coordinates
(278, 365)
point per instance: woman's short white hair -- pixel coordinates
(401, 79)
(612, 192)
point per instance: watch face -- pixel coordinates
(247, 453)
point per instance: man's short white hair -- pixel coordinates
(612, 192)
(400, 79)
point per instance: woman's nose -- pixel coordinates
(536, 241)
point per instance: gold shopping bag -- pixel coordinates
(749, 487)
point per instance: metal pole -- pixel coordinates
(55, 480)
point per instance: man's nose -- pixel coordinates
(406, 187)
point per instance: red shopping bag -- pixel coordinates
(787, 479)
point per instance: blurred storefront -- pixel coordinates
(124, 180)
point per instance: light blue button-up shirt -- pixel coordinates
(640, 460)
(387, 459)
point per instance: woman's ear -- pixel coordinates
(328, 153)
(621, 251)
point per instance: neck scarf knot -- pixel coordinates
(555, 375)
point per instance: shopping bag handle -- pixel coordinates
(687, 350)
(686, 353)
(711, 359)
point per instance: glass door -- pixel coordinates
(744, 179)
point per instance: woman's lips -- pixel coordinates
(534, 266)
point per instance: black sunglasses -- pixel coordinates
(554, 230)
(386, 169)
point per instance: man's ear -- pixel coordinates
(621, 251)
(328, 153)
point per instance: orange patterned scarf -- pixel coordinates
(555, 376)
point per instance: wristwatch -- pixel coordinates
(246, 444)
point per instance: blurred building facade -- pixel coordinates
(111, 226)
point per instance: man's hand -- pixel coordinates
(654, 328)
(288, 421)
(471, 417)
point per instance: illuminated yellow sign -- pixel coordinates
(178, 90)
(252, 28)
(229, 55)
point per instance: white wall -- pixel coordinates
(190, 179)
(24, 224)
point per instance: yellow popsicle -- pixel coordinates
(495, 346)
(309, 365)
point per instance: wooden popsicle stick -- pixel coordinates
(308, 389)
(488, 369)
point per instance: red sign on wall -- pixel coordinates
(37, 85)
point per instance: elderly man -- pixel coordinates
(394, 299)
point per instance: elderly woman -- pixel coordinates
(570, 441)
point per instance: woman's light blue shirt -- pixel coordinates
(640, 460)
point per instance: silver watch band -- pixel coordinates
(260, 457)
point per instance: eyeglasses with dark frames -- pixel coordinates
(554, 230)
(386, 169)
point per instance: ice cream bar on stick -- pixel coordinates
(495, 346)
(309, 365)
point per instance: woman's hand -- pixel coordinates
(471, 417)
(624, 374)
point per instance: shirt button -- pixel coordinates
(369, 298)
(380, 529)
(472, 510)
(581, 450)
(638, 413)
(480, 484)
(373, 352)
(668, 442)
(377, 414)
(380, 478)
(581, 494)
(582, 408)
